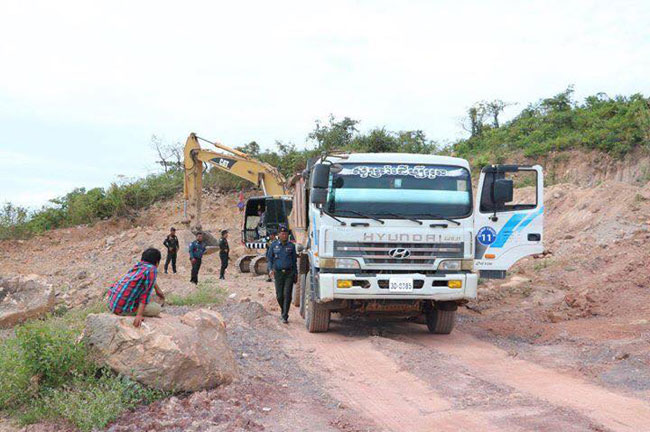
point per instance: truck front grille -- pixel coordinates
(398, 253)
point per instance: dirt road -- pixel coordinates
(407, 379)
(393, 375)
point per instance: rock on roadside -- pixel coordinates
(23, 298)
(186, 353)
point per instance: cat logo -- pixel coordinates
(224, 162)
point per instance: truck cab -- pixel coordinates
(404, 234)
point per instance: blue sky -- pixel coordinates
(84, 85)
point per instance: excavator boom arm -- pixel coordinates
(236, 162)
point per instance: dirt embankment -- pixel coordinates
(562, 344)
(81, 262)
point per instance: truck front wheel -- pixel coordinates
(441, 320)
(317, 317)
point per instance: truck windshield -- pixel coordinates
(408, 189)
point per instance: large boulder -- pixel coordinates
(23, 298)
(175, 353)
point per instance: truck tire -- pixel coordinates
(441, 321)
(317, 317)
(303, 293)
(297, 290)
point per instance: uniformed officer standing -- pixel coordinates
(224, 250)
(283, 267)
(197, 249)
(171, 243)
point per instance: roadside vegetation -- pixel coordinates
(46, 374)
(207, 293)
(615, 126)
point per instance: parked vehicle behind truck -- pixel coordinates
(403, 234)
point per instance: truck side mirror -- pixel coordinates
(318, 196)
(320, 178)
(503, 191)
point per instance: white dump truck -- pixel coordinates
(404, 234)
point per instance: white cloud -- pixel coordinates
(87, 83)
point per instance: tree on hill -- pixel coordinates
(612, 125)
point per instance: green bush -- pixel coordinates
(13, 222)
(14, 375)
(83, 206)
(612, 125)
(45, 373)
(51, 353)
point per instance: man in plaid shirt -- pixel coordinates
(131, 294)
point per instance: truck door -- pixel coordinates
(508, 217)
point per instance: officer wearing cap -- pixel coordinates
(224, 251)
(283, 268)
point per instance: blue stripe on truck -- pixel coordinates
(529, 219)
(504, 234)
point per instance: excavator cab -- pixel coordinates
(263, 215)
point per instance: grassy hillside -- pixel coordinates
(612, 125)
(615, 126)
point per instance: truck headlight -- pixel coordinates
(339, 263)
(449, 265)
(455, 265)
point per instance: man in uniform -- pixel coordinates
(283, 267)
(171, 243)
(197, 249)
(224, 250)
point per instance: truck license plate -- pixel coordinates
(400, 285)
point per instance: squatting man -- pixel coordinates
(131, 294)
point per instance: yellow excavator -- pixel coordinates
(261, 214)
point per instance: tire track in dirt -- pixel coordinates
(374, 385)
(615, 411)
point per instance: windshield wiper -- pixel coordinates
(334, 217)
(402, 217)
(364, 215)
(437, 216)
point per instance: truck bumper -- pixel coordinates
(432, 287)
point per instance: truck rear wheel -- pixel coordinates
(441, 321)
(303, 293)
(297, 290)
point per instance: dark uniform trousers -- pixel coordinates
(224, 264)
(196, 265)
(284, 289)
(171, 257)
